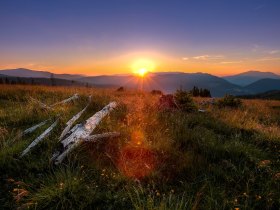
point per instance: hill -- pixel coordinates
(263, 85)
(21, 72)
(39, 81)
(249, 77)
(169, 82)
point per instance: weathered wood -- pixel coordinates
(72, 98)
(39, 138)
(92, 138)
(89, 125)
(83, 131)
(202, 110)
(33, 128)
(72, 121)
(44, 106)
(97, 137)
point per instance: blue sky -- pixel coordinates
(94, 37)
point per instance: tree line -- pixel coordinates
(202, 92)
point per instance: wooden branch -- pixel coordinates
(44, 106)
(72, 121)
(93, 138)
(82, 131)
(72, 98)
(33, 128)
(97, 137)
(89, 125)
(202, 110)
(39, 138)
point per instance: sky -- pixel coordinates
(94, 37)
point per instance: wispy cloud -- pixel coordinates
(269, 59)
(208, 57)
(185, 58)
(272, 52)
(230, 62)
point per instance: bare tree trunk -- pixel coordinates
(39, 138)
(72, 98)
(33, 128)
(83, 131)
(72, 121)
(60, 158)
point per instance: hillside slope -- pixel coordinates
(250, 77)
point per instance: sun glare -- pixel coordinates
(142, 67)
(141, 72)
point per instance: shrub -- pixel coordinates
(156, 92)
(229, 101)
(184, 101)
(120, 89)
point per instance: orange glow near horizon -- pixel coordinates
(143, 62)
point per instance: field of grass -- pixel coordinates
(222, 159)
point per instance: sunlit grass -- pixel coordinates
(225, 158)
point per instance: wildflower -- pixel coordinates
(61, 184)
(258, 197)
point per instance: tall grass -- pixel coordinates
(222, 159)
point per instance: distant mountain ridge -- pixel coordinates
(22, 72)
(249, 77)
(167, 82)
(263, 85)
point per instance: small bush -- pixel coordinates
(156, 92)
(229, 101)
(184, 101)
(120, 89)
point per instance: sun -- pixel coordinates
(142, 67)
(141, 72)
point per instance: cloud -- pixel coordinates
(272, 52)
(208, 57)
(269, 59)
(231, 62)
(185, 58)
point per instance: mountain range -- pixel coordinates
(251, 82)
(249, 77)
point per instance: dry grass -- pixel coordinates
(222, 159)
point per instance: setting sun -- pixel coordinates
(141, 67)
(141, 72)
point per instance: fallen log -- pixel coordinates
(97, 137)
(44, 106)
(72, 98)
(83, 131)
(72, 121)
(33, 128)
(92, 138)
(39, 138)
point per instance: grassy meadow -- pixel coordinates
(225, 158)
